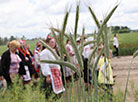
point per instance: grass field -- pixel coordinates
(2, 49)
(127, 40)
(128, 43)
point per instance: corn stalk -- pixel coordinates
(100, 37)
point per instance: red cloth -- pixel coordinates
(36, 69)
(56, 79)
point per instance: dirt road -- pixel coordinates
(120, 68)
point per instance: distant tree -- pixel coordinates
(120, 29)
(117, 28)
(12, 38)
(124, 31)
(1, 41)
(5, 40)
(23, 37)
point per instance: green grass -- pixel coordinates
(3, 48)
(128, 43)
(128, 40)
(32, 44)
(17, 93)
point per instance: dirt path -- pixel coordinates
(120, 68)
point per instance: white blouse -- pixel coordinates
(45, 67)
(115, 43)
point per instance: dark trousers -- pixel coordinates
(87, 72)
(116, 51)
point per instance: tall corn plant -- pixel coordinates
(101, 36)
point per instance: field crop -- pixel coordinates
(128, 40)
(128, 43)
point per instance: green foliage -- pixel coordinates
(12, 38)
(127, 43)
(3, 48)
(102, 36)
(124, 31)
(120, 29)
(76, 22)
(127, 51)
(18, 93)
(127, 40)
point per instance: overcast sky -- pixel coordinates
(32, 18)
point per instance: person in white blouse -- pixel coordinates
(51, 72)
(87, 72)
(115, 44)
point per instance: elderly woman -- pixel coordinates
(10, 62)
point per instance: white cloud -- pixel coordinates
(33, 17)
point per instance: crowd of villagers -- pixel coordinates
(19, 61)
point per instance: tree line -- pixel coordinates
(120, 29)
(5, 40)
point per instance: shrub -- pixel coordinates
(127, 51)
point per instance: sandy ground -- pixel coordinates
(120, 68)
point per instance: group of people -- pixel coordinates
(19, 61)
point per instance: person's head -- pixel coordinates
(68, 42)
(22, 43)
(14, 45)
(50, 42)
(38, 44)
(100, 48)
(78, 40)
(84, 39)
(115, 35)
(27, 46)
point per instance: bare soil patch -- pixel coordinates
(120, 68)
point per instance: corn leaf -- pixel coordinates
(135, 54)
(89, 42)
(109, 15)
(76, 22)
(94, 17)
(78, 56)
(63, 63)
(82, 39)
